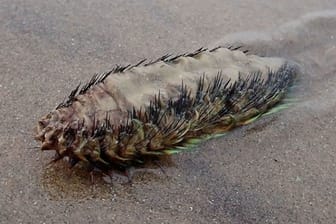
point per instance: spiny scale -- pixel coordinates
(111, 126)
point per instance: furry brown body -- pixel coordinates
(122, 117)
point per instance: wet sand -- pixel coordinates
(280, 169)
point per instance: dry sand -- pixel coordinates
(280, 169)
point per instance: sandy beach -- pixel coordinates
(280, 169)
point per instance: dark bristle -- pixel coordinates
(163, 58)
(175, 57)
(214, 49)
(197, 52)
(138, 64)
(70, 98)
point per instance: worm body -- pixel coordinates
(122, 117)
